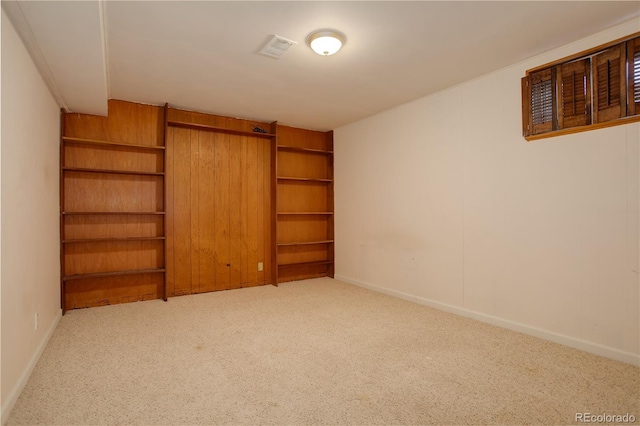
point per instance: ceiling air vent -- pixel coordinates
(277, 46)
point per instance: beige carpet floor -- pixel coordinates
(310, 352)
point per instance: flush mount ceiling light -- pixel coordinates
(326, 42)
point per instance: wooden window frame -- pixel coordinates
(560, 124)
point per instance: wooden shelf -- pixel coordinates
(304, 213)
(113, 144)
(112, 213)
(119, 172)
(187, 125)
(103, 240)
(317, 263)
(305, 243)
(112, 274)
(298, 179)
(304, 150)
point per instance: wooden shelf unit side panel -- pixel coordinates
(274, 203)
(302, 197)
(330, 206)
(97, 192)
(301, 165)
(63, 305)
(302, 138)
(194, 117)
(303, 228)
(96, 257)
(165, 129)
(106, 157)
(127, 122)
(112, 226)
(169, 204)
(91, 292)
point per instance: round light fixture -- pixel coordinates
(326, 42)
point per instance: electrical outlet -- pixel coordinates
(35, 325)
(260, 266)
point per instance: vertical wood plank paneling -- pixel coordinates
(260, 206)
(206, 216)
(194, 142)
(236, 209)
(252, 211)
(221, 218)
(182, 210)
(243, 217)
(170, 213)
(230, 189)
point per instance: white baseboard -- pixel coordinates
(594, 348)
(24, 378)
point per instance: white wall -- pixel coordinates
(29, 213)
(443, 202)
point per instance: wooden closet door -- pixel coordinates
(216, 212)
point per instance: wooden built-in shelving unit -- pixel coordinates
(112, 228)
(303, 214)
(161, 202)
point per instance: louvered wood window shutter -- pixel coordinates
(538, 102)
(608, 78)
(575, 94)
(597, 88)
(633, 84)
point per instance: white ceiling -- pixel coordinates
(204, 55)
